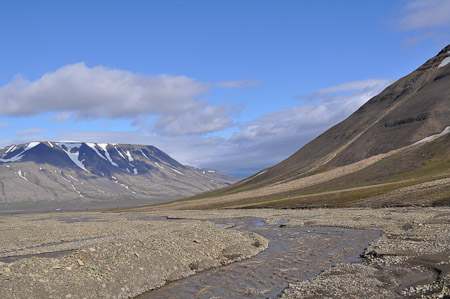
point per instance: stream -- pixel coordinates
(294, 254)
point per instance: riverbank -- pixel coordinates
(294, 254)
(95, 255)
(411, 259)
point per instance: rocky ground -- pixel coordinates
(411, 259)
(94, 255)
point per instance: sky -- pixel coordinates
(232, 85)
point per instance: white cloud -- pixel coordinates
(30, 132)
(238, 83)
(61, 116)
(424, 14)
(206, 119)
(367, 84)
(100, 92)
(355, 85)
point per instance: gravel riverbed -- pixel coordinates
(74, 255)
(118, 255)
(411, 259)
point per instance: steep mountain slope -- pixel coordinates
(414, 175)
(410, 109)
(384, 129)
(49, 171)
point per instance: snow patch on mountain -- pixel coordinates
(176, 171)
(68, 146)
(22, 175)
(100, 190)
(119, 152)
(94, 147)
(31, 145)
(11, 149)
(19, 156)
(74, 156)
(145, 155)
(432, 137)
(262, 172)
(103, 146)
(75, 168)
(71, 183)
(73, 178)
(123, 185)
(16, 158)
(444, 62)
(129, 156)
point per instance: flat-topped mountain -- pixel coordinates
(398, 138)
(55, 171)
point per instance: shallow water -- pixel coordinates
(294, 254)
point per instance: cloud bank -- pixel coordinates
(238, 83)
(30, 132)
(361, 86)
(424, 14)
(99, 92)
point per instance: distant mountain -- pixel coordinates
(389, 125)
(61, 171)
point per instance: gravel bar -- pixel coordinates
(93, 255)
(107, 255)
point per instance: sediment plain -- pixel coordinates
(120, 255)
(94, 255)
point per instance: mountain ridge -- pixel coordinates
(48, 171)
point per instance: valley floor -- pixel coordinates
(95, 255)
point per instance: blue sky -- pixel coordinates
(232, 85)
